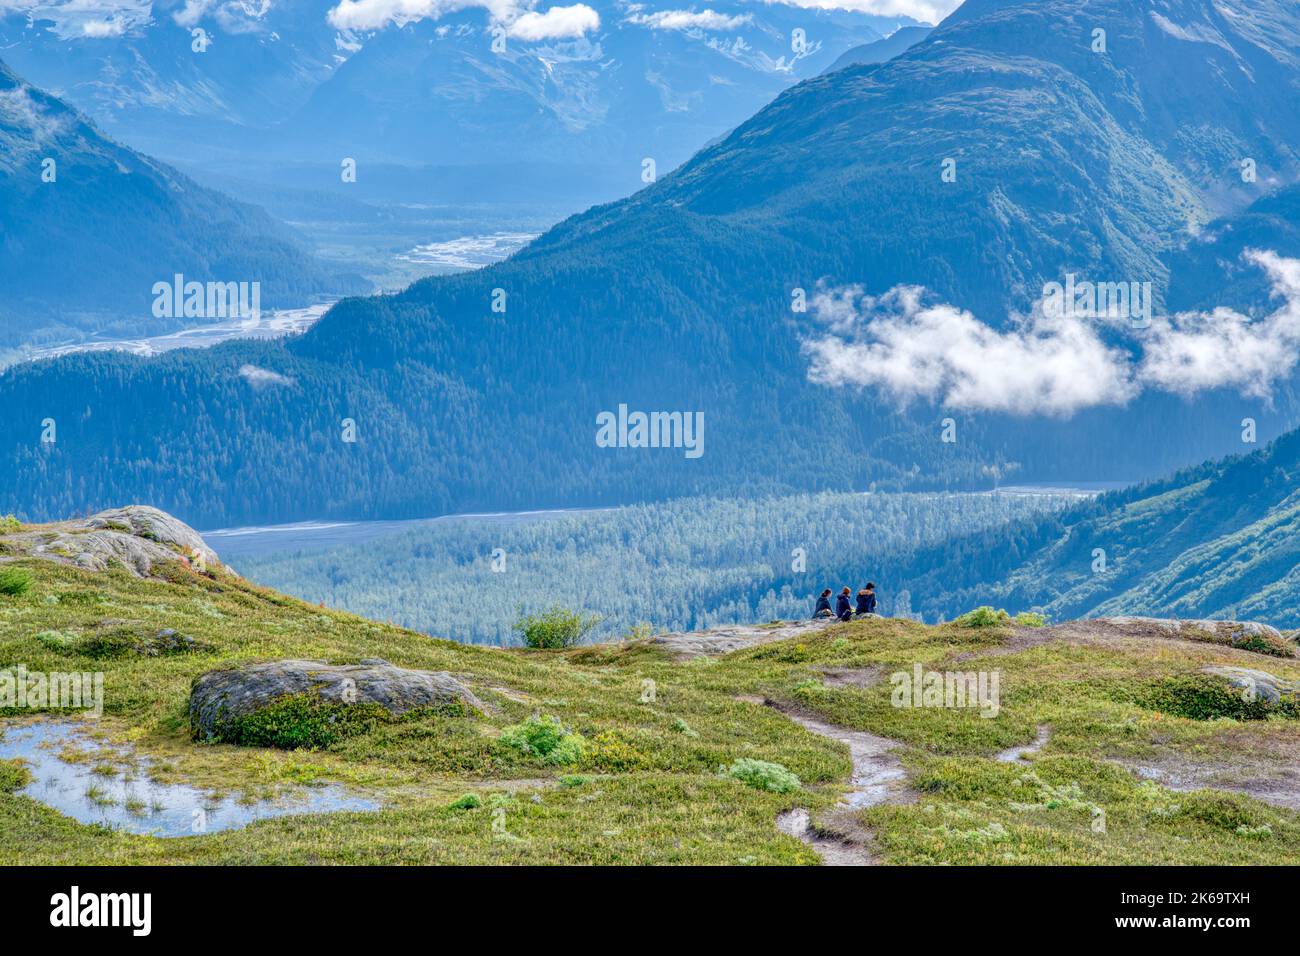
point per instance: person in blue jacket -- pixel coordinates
(823, 604)
(867, 600)
(843, 609)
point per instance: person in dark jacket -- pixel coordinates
(843, 609)
(867, 599)
(823, 604)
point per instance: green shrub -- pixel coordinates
(471, 801)
(610, 751)
(15, 581)
(14, 775)
(9, 525)
(1204, 697)
(1231, 812)
(64, 641)
(302, 720)
(102, 645)
(1265, 644)
(763, 775)
(546, 738)
(983, 616)
(1031, 619)
(555, 627)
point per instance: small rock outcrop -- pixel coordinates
(136, 537)
(221, 696)
(1258, 684)
(1247, 635)
(734, 637)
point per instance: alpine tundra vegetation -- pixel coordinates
(1116, 741)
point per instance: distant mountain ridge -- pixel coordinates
(88, 228)
(282, 83)
(878, 51)
(682, 297)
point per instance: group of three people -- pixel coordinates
(844, 609)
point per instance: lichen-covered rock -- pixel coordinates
(734, 637)
(169, 641)
(1256, 684)
(138, 538)
(1247, 635)
(221, 698)
(155, 525)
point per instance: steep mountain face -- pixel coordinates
(1210, 271)
(1221, 540)
(680, 297)
(878, 51)
(87, 227)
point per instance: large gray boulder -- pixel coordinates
(1255, 684)
(221, 696)
(137, 537)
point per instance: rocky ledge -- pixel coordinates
(734, 637)
(137, 537)
(221, 697)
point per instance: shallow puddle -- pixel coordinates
(128, 800)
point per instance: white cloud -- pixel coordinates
(85, 19)
(191, 13)
(233, 16)
(941, 353)
(1049, 364)
(929, 11)
(518, 16)
(374, 14)
(556, 23)
(261, 378)
(690, 20)
(104, 28)
(1192, 352)
(38, 126)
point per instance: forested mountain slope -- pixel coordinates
(482, 390)
(1221, 540)
(88, 226)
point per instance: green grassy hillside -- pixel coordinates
(645, 784)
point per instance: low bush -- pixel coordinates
(1204, 697)
(15, 582)
(546, 738)
(983, 616)
(555, 627)
(14, 775)
(762, 775)
(302, 721)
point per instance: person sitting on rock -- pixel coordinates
(843, 609)
(867, 600)
(823, 604)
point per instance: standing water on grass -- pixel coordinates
(128, 800)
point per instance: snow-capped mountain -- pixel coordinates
(432, 83)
